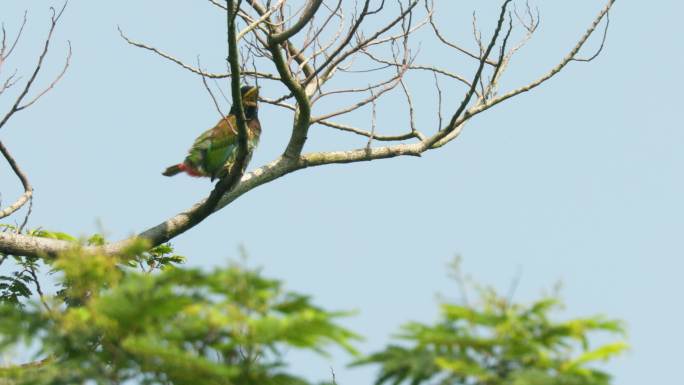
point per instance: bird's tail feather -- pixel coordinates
(173, 170)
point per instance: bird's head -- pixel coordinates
(250, 95)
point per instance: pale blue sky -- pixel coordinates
(579, 180)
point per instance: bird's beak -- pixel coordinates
(250, 92)
(251, 97)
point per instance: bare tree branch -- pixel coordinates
(225, 184)
(337, 57)
(28, 190)
(211, 94)
(52, 84)
(355, 90)
(373, 122)
(446, 42)
(367, 134)
(260, 20)
(429, 68)
(439, 101)
(309, 11)
(553, 72)
(4, 55)
(487, 74)
(453, 124)
(17, 104)
(603, 42)
(188, 67)
(303, 109)
(29, 210)
(9, 82)
(373, 97)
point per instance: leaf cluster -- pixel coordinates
(496, 342)
(145, 319)
(114, 324)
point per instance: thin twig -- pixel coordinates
(21, 227)
(439, 102)
(446, 42)
(603, 42)
(213, 98)
(260, 20)
(367, 134)
(4, 55)
(52, 84)
(39, 290)
(197, 71)
(373, 121)
(17, 104)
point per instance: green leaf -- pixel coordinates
(602, 353)
(54, 235)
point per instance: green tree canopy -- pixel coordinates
(496, 342)
(145, 318)
(113, 323)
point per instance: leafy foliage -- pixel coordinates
(141, 318)
(497, 342)
(176, 326)
(16, 287)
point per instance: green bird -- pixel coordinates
(213, 153)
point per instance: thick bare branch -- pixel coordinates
(293, 160)
(309, 11)
(303, 111)
(292, 51)
(254, 24)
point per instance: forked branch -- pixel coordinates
(286, 48)
(20, 103)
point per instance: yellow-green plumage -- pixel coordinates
(214, 151)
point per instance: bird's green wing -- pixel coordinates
(213, 148)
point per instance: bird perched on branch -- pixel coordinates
(214, 152)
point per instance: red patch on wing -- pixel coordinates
(189, 170)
